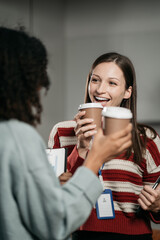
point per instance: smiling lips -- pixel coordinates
(100, 99)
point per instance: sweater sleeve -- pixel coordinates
(63, 135)
(53, 212)
(74, 160)
(48, 210)
(153, 168)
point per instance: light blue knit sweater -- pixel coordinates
(33, 205)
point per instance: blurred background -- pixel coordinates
(76, 33)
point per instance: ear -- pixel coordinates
(128, 93)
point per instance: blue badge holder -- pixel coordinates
(111, 216)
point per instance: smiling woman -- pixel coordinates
(107, 85)
(112, 82)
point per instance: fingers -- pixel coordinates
(125, 146)
(145, 201)
(64, 177)
(142, 204)
(149, 194)
(125, 142)
(99, 134)
(148, 198)
(83, 122)
(84, 126)
(79, 115)
(121, 139)
(88, 130)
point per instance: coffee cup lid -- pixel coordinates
(89, 105)
(117, 112)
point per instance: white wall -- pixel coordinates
(129, 27)
(14, 12)
(48, 25)
(45, 20)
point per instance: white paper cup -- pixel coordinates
(115, 119)
(94, 111)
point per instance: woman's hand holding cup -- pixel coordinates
(84, 130)
(88, 122)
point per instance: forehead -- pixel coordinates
(108, 69)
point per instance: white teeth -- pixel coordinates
(102, 99)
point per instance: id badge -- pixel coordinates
(104, 205)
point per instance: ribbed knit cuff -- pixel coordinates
(88, 182)
(74, 160)
(155, 217)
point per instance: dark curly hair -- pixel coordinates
(23, 63)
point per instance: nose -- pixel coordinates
(102, 88)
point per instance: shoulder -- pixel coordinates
(153, 141)
(19, 125)
(60, 131)
(150, 132)
(152, 153)
(19, 132)
(21, 142)
(147, 131)
(23, 129)
(65, 124)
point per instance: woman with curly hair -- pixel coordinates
(33, 205)
(23, 62)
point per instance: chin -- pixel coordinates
(104, 104)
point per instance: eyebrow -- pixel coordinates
(95, 75)
(114, 78)
(101, 79)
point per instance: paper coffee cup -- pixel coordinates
(115, 119)
(94, 111)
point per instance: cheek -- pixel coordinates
(91, 90)
(119, 93)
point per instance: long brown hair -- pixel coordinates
(124, 63)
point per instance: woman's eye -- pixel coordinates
(94, 80)
(113, 83)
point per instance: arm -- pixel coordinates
(149, 199)
(48, 210)
(74, 160)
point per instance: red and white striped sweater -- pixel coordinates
(122, 176)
